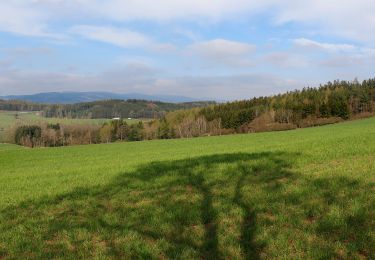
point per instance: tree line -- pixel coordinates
(53, 135)
(333, 102)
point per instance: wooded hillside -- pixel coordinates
(102, 109)
(330, 103)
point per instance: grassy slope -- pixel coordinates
(302, 193)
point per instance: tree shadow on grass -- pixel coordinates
(208, 207)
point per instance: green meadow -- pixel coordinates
(301, 194)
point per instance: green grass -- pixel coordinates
(307, 193)
(8, 119)
(9, 147)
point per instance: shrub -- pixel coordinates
(28, 135)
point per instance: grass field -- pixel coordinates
(9, 118)
(307, 193)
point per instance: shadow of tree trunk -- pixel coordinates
(209, 249)
(248, 226)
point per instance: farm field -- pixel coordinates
(306, 193)
(9, 118)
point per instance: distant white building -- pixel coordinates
(116, 118)
(129, 118)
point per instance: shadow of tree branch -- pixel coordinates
(167, 209)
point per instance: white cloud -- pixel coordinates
(5, 64)
(352, 19)
(164, 10)
(20, 17)
(335, 55)
(224, 51)
(120, 37)
(306, 43)
(27, 51)
(286, 59)
(222, 47)
(344, 61)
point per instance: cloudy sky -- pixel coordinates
(216, 49)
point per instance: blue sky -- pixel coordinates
(216, 49)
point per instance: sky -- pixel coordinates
(205, 49)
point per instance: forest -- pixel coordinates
(102, 109)
(330, 103)
(338, 99)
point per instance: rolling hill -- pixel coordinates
(79, 97)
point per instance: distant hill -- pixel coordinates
(79, 97)
(133, 108)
